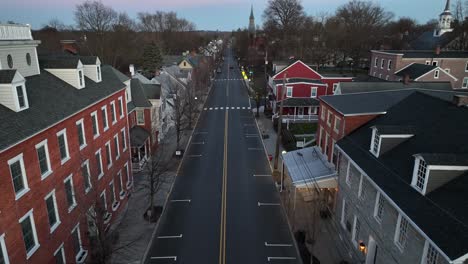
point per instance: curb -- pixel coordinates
(145, 255)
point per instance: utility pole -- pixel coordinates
(280, 121)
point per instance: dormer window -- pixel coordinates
(422, 175)
(80, 77)
(98, 68)
(21, 98)
(375, 143)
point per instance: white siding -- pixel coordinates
(18, 53)
(90, 71)
(6, 96)
(69, 76)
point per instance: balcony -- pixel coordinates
(15, 32)
(291, 118)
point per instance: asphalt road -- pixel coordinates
(224, 207)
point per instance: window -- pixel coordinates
(356, 229)
(63, 145)
(422, 171)
(435, 63)
(382, 63)
(120, 183)
(376, 143)
(432, 256)
(389, 65)
(80, 254)
(99, 164)
(447, 70)
(115, 203)
(329, 118)
(108, 155)
(348, 175)
(18, 175)
(337, 124)
(81, 133)
(428, 62)
(52, 211)
(127, 175)
(60, 255)
(10, 61)
(323, 110)
(28, 229)
(140, 117)
(113, 113)
(94, 121)
(28, 59)
(376, 63)
(70, 193)
(380, 76)
(116, 147)
(105, 122)
(361, 183)
(401, 232)
(379, 207)
(436, 74)
(466, 67)
(344, 213)
(21, 98)
(44, 160)
(387, 77)
(313, 92)
(289, 91)
(335, 86)
(80, 77)
(465, 83)
(121, 107)
(124, 141)
(3, 251)
(98, 68)
(86, 176)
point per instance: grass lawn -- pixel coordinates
(299, 129)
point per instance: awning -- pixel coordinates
(138, 136)
(299, 102)
(308, 167)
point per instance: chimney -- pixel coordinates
(69, 45)
(460, 100)
(132, 69)
(437, 50)
(406, 79)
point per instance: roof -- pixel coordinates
(7, 76)
(298, 80)
(138, 136)
(441, 214)
(139, 98)
(360, 87)
(88, 60)
(307, 166)
(59, 63)
(152, 91)
(445, 159)
(427, 40)
(415, 70)
(170, 60)
(50, 101)
(420, 54)
(122, 77)
(395, 130)
(300, 101)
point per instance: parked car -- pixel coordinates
(231, 67)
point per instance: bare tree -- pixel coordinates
(179, 109)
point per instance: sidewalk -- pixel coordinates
(327, 245)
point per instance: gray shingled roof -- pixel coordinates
(138, 136)
(441, 214)
(415, 54)
(415, 70)
(50, 101)
(360, 87)
(152, 91)
(6, 76)
(396, 130)
(427, 40)
(139, 98)
(122, 77)
(88, 60)
(59, 63)
(299, 102)
(445, 159)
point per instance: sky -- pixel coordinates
(224, 15)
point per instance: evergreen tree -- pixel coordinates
(152, 58)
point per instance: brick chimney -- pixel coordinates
(69, 46)
(131, 68)
(406, 79)
(460, 100)
(437, 50)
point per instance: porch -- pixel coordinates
(140, 146)
(299, 110)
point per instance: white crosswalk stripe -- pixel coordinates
(227, 108)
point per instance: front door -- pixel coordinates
(300, 111)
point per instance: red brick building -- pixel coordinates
(64, 152)
(303, 87)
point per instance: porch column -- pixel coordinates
(295, 113)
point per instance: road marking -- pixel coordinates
(238, 108)
(280, 258)
(211, 108)
(221, 108)
(182, 200)
(268, 204)
(262, 175)
(194, 156)
(277, 245)
(198, 143)
(179, 236)
(205, 108)
(216, 108)
(222, 236)
(255, 149)
(167, 257)
(243, 107)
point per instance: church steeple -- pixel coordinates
(447, 6)
(252, 23)
(251, 12)
(445, 21)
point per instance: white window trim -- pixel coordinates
(98, 73)
(382, 63)
(376, 208)
(323, 112)
(335, 86)
(466, 67)
(64, 133)
(46, 148)
(436, 74)
(414, 180)
(26, 189)
(100, 162)
(361, 179)
(348, 177)
(121, 109)
(103, 194)
(463, 82)
(343, 207)
(397, 233)
(61, 249)
(114, 115)
(116, 141)
(81, 81)
(82, 251)
(428, 62)
(81, 123)
(109, 150)
(122, 191)
(389, 65)
(435, 63)
(329, 118)
(70, 178)
(312, 89)
(138, 121)
(4, 250)
(353, 235)
(129, 177)
(289, 88)
(26, 102)
(105, 123)
(95, 120)
(54, 199)
(33, 226)
(124, 147)
(334, 126)
(86, 163)
(376, 63)
(116, 202)
(426, 251)
(376, 154)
